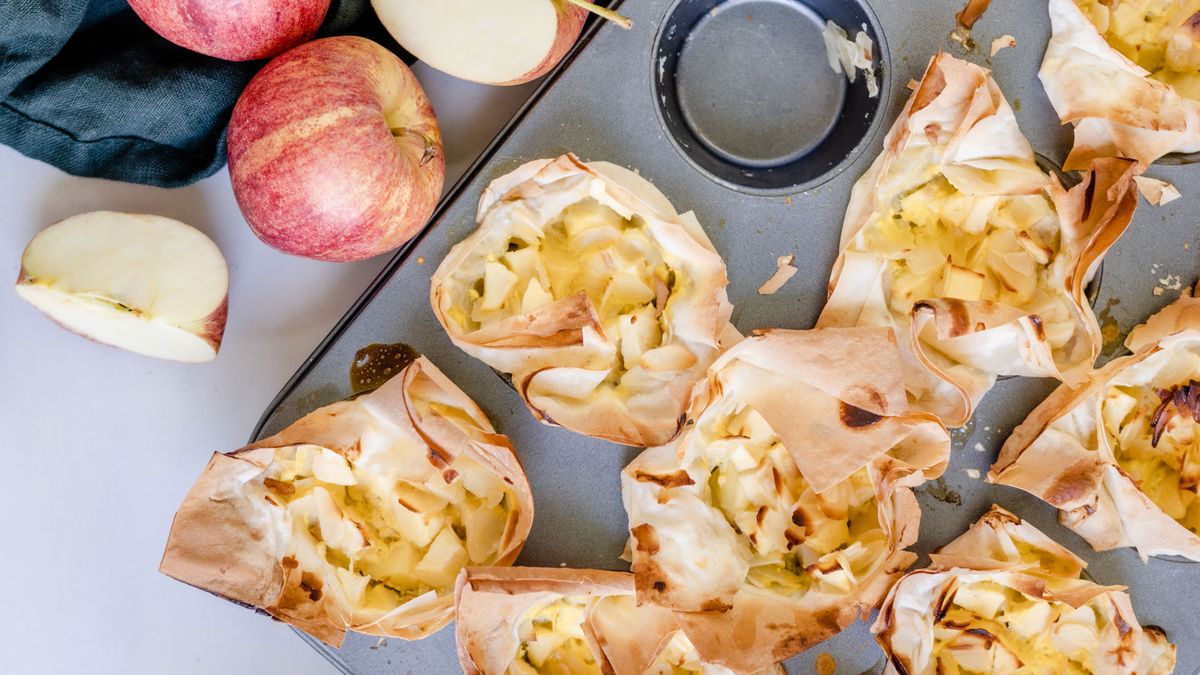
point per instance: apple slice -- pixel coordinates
(487, 41)
(147, 284)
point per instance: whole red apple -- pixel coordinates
(335, 152)
(235, 30)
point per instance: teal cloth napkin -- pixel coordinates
(87, 87)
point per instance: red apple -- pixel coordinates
(335, 152)
(487, 41)
(235, 30)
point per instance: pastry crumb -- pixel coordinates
(784, 271)
(1003, 42)
(381, 642)
(1157, 192)
(973, 474)
(421, 260)
(979, 447)
(1157, 291)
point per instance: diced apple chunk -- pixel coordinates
(498, 283)
(535, 297)
(984, 598)
(442, 562)
(330, 467)
(961, 283)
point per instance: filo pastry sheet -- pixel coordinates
(1119, 454)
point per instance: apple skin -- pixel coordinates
(335, 152)
(570, 24)
(234, 30)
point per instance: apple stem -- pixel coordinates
(622, 21)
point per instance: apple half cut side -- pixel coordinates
(486, 41)
(147, 284)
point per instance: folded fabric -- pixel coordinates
(87, 87)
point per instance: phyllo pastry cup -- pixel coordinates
(558, 621)
(1005, 598)
(782, 511)
(360, 515)
(978, 259)
(1127, 74)
(584, 285)
(1119, 455)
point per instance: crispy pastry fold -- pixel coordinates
(972, 254)
(1126, 75)
(529, 620)
(584, 284)
(359, 515)
(1005, 598)
(1119, 454)
(781, 513)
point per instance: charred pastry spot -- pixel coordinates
(449, 475)
(761, 515)
(679, 478)
(899, 666)
(646, 538)
(824, 568)
(311, 584)
(954, 624)
(856, 418)
(271, 500)
(794, 539)
(508, 480)
(353, 452)
(931, 133)
(436, 459)
(406, 505)
(777, 478)
(800, 521)
(289, 563)
(279, 487)
(715, 605)
(960, 318)
(1158, 423)
(1123, 628)
(981, 326)
(660, 586)
(945, 601)
(1039, 328)
(988, 638)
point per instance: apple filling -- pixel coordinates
(588, 249)
(1154, 439)
(679, 657)
(986, 627)
(385, 527)
(942, 243)
(794, 538)
(1161, 36)
(553, 642)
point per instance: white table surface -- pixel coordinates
(99, 446)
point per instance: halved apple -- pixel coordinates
(487, 41)
(147, 284)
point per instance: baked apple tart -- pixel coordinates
(974, 256)
(782, 511)
(585, 286)
(1119, 455)
(360, 515)
(1005, 598)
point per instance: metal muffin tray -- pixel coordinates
(607, 102)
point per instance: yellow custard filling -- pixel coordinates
(1162, 36)
(588, 249)
(796, 539)
(941, 243)
(679, 657)
(388, 526)
(1154, 439)
(552, 640)
(986, 627)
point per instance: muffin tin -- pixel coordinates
(626, 97)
